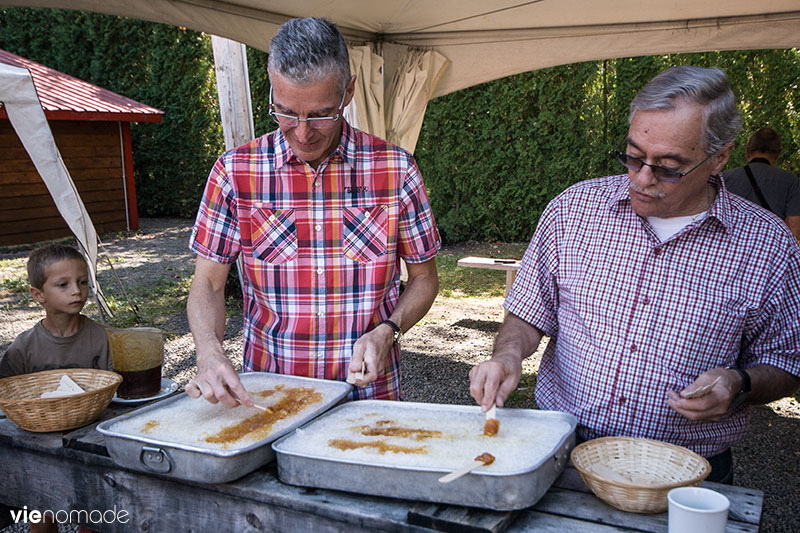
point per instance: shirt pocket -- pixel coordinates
(364, 232)
(273, 234)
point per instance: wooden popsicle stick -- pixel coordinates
(259, 407)
(464, 470)
(355, 376)
(702, 390)
(491, 413)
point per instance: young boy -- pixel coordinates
(64, 338)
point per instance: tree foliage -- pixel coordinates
(492, 156)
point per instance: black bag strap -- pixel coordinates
(756, 188)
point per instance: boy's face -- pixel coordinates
(65, 289)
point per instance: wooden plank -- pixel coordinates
(15, 153)
(456, 518)
(83, 481)
(490, 263)
(587, 507)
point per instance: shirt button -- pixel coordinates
(320, 270)
(622, 400)
(366, 214)
(320, 313)
(320, 355)
(657, 252)
(633, 347)
(318, 227)
(272, 218)
(645, 300)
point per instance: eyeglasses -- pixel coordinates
(661, 173)
(318, 123)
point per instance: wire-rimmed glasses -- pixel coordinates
(291, 121)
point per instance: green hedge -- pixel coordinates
(492, 156)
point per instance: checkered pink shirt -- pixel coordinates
(321, 249)
(631, 317)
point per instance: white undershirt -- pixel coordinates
(667, 227)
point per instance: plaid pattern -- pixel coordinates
(631, 317)
(321, 249)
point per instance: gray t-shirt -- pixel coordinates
(37, 349)
(780, 188)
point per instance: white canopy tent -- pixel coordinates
(407, 52)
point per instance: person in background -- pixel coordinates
(655, 283)
(320, 214)
(763, 183)
(64, 338)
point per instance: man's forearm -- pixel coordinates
(770, 383)
(516, 339)
(418, 296)
(205, 309)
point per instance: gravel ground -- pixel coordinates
(455, 334)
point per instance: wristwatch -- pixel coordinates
(744, 390)
(398, 333)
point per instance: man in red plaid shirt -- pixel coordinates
(320, 215)
(669, 302)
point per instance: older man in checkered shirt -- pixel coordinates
(320, 215)
(656, 283)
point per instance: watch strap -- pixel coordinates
(744, 390)
(398, 334)
(746, 383)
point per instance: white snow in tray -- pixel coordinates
(198, 423)
(523, 440)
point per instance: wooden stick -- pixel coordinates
(702, 390)
(259, 407)
(491, 413)
(464, 470)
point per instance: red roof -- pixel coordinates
(64, 97)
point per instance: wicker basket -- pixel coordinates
(20, 401)
(636, 474)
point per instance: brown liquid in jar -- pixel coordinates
(260, 424)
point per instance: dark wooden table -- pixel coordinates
(72, 471)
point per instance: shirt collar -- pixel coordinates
(720, 208)
(346, 147)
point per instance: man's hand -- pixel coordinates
(372, 348)
(712, 406)
(217, 381)
(492, 381)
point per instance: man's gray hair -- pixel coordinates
(707, 87)
(306, 50)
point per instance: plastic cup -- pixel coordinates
(697, 509)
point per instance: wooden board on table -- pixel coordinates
(456, 518)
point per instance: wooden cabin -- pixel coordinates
(92, 130)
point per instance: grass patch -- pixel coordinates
(157, 303)
(456, 281)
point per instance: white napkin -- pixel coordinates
(66, 387)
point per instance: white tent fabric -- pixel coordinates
(21, 102)
(365, 111)
(483, 40)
